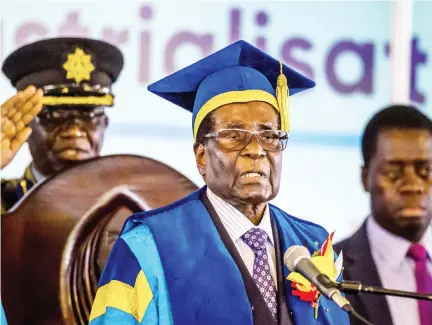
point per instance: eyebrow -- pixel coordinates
(234, 125)
(403, 162)
(240, 125)
(266, 126)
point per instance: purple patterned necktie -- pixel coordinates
(423, 280)
(256, 239)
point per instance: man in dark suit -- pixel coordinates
(393, 248)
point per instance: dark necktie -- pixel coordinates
(256, 239)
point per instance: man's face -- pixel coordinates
(64, 136)
(248, 176)
(399, 180)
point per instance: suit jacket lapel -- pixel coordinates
(360, 266)
(261, 313)
(283, 313)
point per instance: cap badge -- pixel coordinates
(78, 66)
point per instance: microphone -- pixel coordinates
(297, 259)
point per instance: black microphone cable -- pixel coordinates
(359, 317)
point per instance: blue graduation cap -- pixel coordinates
(238, 73)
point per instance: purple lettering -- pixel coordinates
(144, 57)
(146, 13)
(114, 37)
(365, 53)
(261, 20)
(29, 32)
(288, 49)
(417, 58)
(204, 42)
(261, 43)
(72, 28)
(235, 25)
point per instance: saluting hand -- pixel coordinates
(17, 113)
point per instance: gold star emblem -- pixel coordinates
(78, 66)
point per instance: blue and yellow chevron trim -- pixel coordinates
(122, 286)
(116, 294)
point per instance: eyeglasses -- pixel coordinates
(50, 117)
(238, 139)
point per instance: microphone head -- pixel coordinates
(294, 254)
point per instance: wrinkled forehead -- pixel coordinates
(243, 115)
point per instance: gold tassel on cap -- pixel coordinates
(282, 97)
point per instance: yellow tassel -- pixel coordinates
(282, 97)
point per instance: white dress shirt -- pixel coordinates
(396, 270)
(237, 224)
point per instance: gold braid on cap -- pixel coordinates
(107, 100)
(75, 94)
(282, 97)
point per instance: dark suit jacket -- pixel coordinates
(12, 190)
(360, 266)
(261, 313)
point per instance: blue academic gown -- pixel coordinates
(170, 266)
(3, 320)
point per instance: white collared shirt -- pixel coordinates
(396, 270)
(237, 224)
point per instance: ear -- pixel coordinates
(364, 177)
(200, 157)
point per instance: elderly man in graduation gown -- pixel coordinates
(216, 256)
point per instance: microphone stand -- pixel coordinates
(357, 287)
